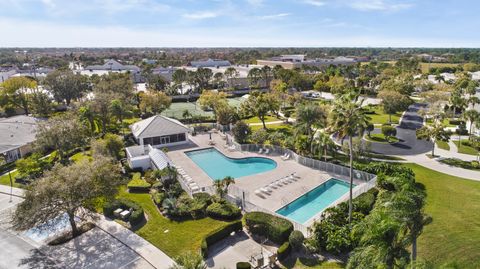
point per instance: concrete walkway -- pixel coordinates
(434, 164)
(154, 256)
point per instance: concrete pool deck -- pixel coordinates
(308, 178)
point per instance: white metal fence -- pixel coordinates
(242, 197)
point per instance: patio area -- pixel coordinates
(306, 178)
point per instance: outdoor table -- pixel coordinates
(117, 212)
(125, 214)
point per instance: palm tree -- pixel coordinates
(254, 75)
(309, 118)
(433, 133)
(348, 119)
(221, 186)
(324, 142)
(471, 116)
(186, 115)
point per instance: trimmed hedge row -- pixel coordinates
(243, 265)
(223, 211)
(136, 217)
(283, 251)
(218, 235)
(274, 228)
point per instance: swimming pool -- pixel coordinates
(217, 166)
(314, 201)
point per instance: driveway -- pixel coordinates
(406, 133)
(93, 249)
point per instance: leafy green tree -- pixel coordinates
(179, 76)
(119, 110)
(266, 75)
(154, 102)
(66, 86)
(457, 100)
(156, 82)
(258, 104)
(110, 145)
(16, 91)
(31, 167)
(259, 136)
(63, 133)
(433, 133)
(213, 100)
(241, 131)
(393, 102)
(348, 119)
(389, 131)
(254, 75)
(230, 74)
(71, 190)
(323, 143)
(41, 104)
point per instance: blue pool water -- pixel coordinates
(217, 166)
(314, 201)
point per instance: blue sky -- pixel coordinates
(239, 23)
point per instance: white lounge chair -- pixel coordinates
(273, 185)
(258, 193)
(286, 156)
(284, 181)
(265, 190)
(267, 151)
(278, 183)
(260, 151)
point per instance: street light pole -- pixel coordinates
(11, 186)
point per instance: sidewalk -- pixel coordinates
(433, 164)
(143, 248)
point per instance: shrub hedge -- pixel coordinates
(296, 239)
(223, 211)
(136, 217)
(283, 251)
(275, 228)
(243, 265)
(158, 198)
(218, 235)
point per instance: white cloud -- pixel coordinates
(201, 15)
(274, 16)
(49, 3)
(317, 3)
(379, 5)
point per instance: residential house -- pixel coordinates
(16, 136)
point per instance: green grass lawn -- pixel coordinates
(282, 127)
(181, 236)
(425, 67)
(465, 149)
(176, 109)
(257, 120)
(380, 117)
(5, 180)
(306, 263)
(380, 138)
(454, 234)
(77, 157)
(445, 122)
(443, 145)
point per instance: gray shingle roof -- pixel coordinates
(16, 131)
(158, 126)
(114, 66)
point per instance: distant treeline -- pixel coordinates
(59, 57)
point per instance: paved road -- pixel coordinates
(406, 133)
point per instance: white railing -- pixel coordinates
(312, 163)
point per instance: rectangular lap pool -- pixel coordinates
(314, 201)
(218, 166)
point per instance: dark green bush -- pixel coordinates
(274, 228)
(136, 217)
(219, 234)
(296, 239)
(283, 251)
(243, 265)
(224, 211)
(204, 197)
(365, 201)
